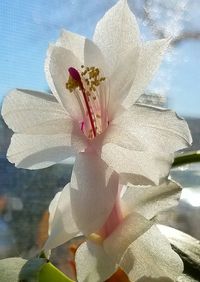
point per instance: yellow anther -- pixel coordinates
(90, 75)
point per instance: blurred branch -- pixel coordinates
(187, 158)
(187, 35)
(160, 33)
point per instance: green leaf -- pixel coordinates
(187, 158)
(10, 269)
(49, 273)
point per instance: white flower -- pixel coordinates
(93, 108)
(118, 225)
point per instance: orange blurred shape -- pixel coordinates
(118, 276)
(3, 203)
(42, 232)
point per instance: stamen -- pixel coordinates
(87, 82)
(74, 74)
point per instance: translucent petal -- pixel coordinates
(150, 200)
(94, 190)
(137, 167)
(93, 264)
(62, 226)
(116, 32)
(133, 226)
(152, 257)
(32, 112)
(57, 63)
(119, 136)
(94, 57)
(149, 60)
(39, 151)
(122, 79)
(73, 42)
(160, 130)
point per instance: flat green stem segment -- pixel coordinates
(187, 158)
(49, 273)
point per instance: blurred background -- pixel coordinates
(26, 28)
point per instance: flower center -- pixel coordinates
(87, 87)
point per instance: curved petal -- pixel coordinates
(150, 57)
(116, 32)
(94, 188)
(137, 167)
(84, 49)
(133, 226)
(73, 42)
(57, 63)
(93, 264)
(32, 112)
(122, 79)
(153, 257)
(151, 200)
(94, 57)
(160, 130)
(117, 135)
(62, 226)
(39, 151)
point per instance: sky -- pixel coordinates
(27, 27)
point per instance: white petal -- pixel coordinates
(116, 32)
(32, 112)
(152, 257)
(62, 226)
(122, 79)
(133, 226)
(39, 151)
(94, 57)
(94, 189)
(117, 135)
(160, 130)
(73, 42)
(137, 167)
(149, 60)
(151, 200)
(84, 49)
(57, 63)
(93, 264)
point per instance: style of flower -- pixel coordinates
(118, 224)
(93, 108)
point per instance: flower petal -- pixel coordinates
(114, 135)
(160, 130)
(116, 32)
(32, 112)
(137, 167)
(57, 63)
(149, 60)
(122, 79)
(133, 226)
(39, 151)
(94, 190)
(93, 264)
(84, 49)
(153, 257)
(94, 57)
(73, 42)
(62, 226)
(149, 201)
